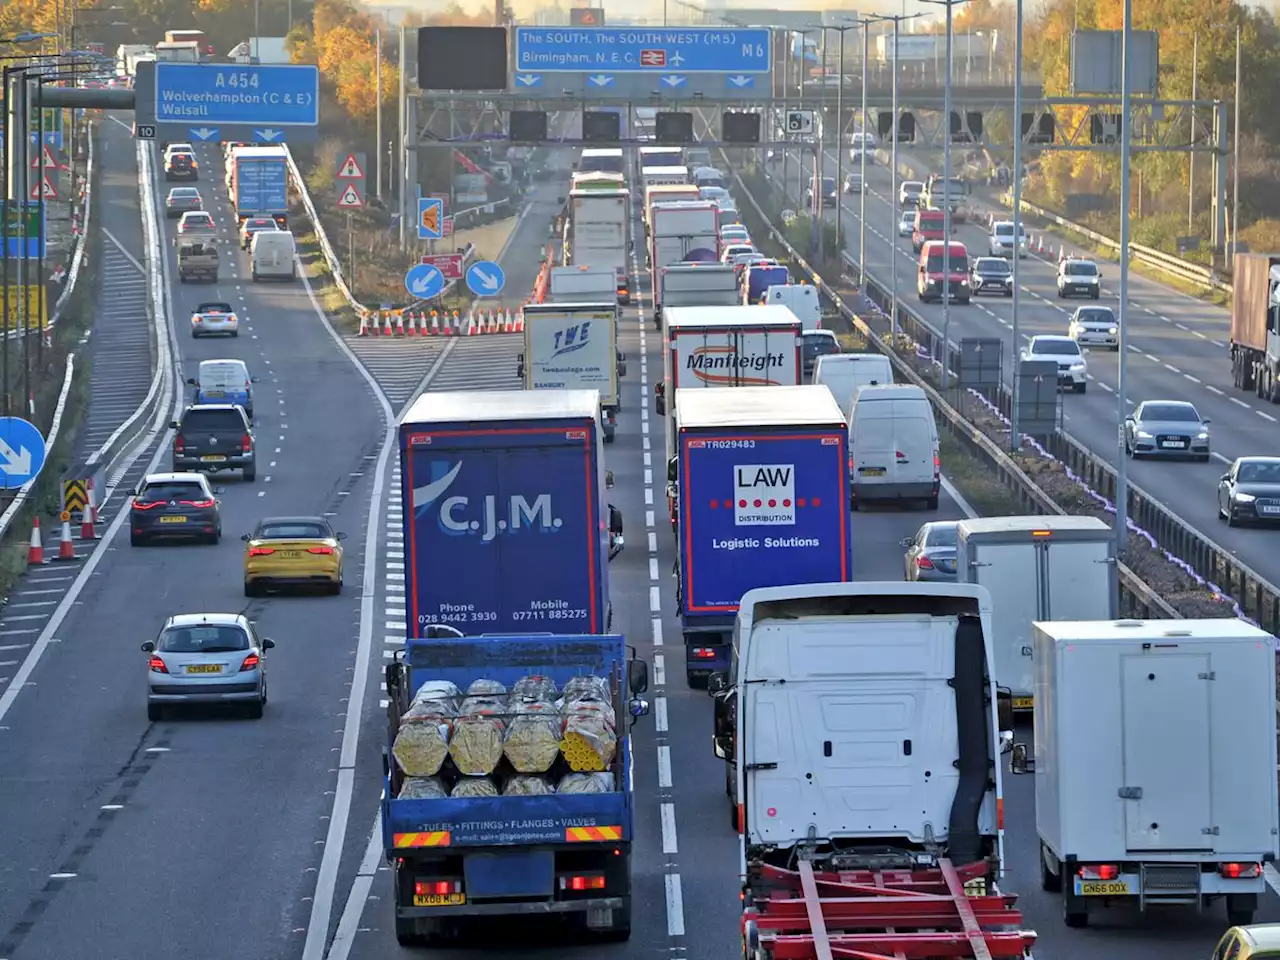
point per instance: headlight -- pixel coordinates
(1143, 435)
(1245, 498)
(964, 283)
(1076, 367)
(1202, 435)
(1112, 330)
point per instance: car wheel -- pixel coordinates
(1203, 458)
(251, 589)
(235, 333)
(155, 712)
(254, 710)
(931, 503)
(334, 589)
(1231, 518)
(1080, 387)
(250, 474)
(1097, 294)
(136, 540)
(214, 538)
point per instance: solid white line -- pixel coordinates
(965, 507)
(675, 905)
(669, 845)
(127, 255)
(660, 714)
(664, 767)
(349, 922)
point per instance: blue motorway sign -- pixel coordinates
(485, 278)
(424, 281)
(610, 50)
(22, 452)
(208, 94)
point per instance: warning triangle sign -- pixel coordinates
(350, 169)
(44, 190)
(350, 197)
(49, 158)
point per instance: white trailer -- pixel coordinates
(1155, 763)
(574, 346)
(682, 232)
(598, 221)
(1036, 568)
(694, 285)
(582, 284)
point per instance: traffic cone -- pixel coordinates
(389, 330)
(87, 520)
(35, 553)
(520, 322)
(364, 325)
(435, 326)
(400, 324)
(375, 323)
(66, 548)
(511, 323)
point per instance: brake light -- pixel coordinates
(924, 563)
(197, 503)
(322, 551)
(1240, 871)
(436, 888)
(246, 443)
(147, 504)
(179, 444)
(1099, 871)
(579, 883)
(261, 551)
(156, 665)
(250, 662)
(704, 653)
(937, 465)
(851, 466)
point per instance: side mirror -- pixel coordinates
(244, 537)
(1085, 350)
(660, 403)
(1004, 708)
(253, 379)
(718, 682)
(137, 491)
(339, 536)
(637, 708)
(149, 647)
(1224, 478)
(615, 520)
(191, 381)
(1018, 761)
(637, 676)
(174, 425)
(1206, 421)
(672, 465)
(1128, 419)
(722, 744)
(906, 543)
(608, 479)
(219, 491)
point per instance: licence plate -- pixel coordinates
(1269, 510)
(1023, 703)
(173, 519)
(290, 554)
(1173, 444)
(214, 393)
(204, 668)
(871, 471)
(1102, 888)
(439, 899)
(213, 459)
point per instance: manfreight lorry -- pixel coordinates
(1036, 568)
(598, 180)
(655, 176)
(259, 183)
(598, 237)
(574, 346)
(503, 852)
(761, 481)
(704, 284)
(1255, 325)
(863, 769)
(187, 51)
(505, 523)
(1155, 763)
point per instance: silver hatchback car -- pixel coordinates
(206, 658)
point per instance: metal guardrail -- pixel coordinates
(1138, 599)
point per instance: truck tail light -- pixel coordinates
(1240, 871)
(704, 653)
(436, 888)
(1099, 871)
(582, 882)
(937, 465)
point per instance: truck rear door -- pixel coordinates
(1078, 577)
(1013, 573)
(1170, 806)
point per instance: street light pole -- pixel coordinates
(377, 136)
(1191, 154)
(893, 188)
(839, 144)
(1122, 460)
(1235, 162)
(946, 210)
(1015, 435)
(862, 166)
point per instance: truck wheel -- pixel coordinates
(620, 932)
(1075, 914)
(1050, 882)
(1240, 909)
(733, 818)
(407, 933)
(697, 679)
(931, 503)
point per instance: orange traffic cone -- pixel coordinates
(389, 330)
(520, 322)
(400, 324)
(88, 517)
(364, 325)
(35, 553)
(66, 548)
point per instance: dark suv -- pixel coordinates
(181, 166)
(212, 437)
(174, 505)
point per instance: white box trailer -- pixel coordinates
(706, 284)
(598, 237)
(1155, 763)
(581, 284)
(1036, 568)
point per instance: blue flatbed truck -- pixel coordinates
(567, 855)
(760, 487)
(505, 525)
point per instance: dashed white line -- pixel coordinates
(669, 844)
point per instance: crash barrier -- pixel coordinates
(1137, 599)
(440, 323)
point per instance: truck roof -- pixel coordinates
(664, 170)
(1049, 525)
(758, 407)
(245, 153)
(762, 596)
(768, 315)
(470, 406)
(1145, 631)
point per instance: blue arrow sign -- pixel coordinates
(22, 452)
(528, 79)
(204, 133)
(600, 80)
(485, 278)
(640, 50)
(273, 95)
(430, 218)
(740, 81)
(673, 81)
(267, 135)
(424, 281)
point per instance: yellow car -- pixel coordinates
(292, 552)
(1257, 941)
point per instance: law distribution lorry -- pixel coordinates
(1036, 568)
(761, 484)
(1255, 325)
(259, 183)
(505, 524)
(1154, 763)
(863, 762)
(466, 857)
(707, 284)
(597, 234)
(574, 346)
(717, 346)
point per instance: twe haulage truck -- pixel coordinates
(506, 528)
(573, 346)
(863, 759)
(705, 284)
(597, 235)
(1036, 568)
(509, 845)
(760, 482)
(1155, 764)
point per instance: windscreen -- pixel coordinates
(293, 530)
(1175, 412)
(1081, 269)
(1058, 345)
(959, 263)
(942, 535)
(205, 638)
(172, 490)
(202, 420)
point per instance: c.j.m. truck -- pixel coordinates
(1255, 325)
(459, 857)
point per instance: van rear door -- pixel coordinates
(913, 443)
(873, 443)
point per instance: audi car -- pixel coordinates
(1166, 428)
(292, 551)
(1250, 491)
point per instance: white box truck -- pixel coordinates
(598, 237)
(684, 231)
(574, 346)
(1154, 763)
(581, 284)
(1037, 568)
(695, 285)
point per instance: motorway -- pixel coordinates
(1177, 350)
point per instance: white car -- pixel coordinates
(910, 193)
(213, 318)
(1079, 278)
(1073, 369)
(1001, 239)
(862, 143)
(732, 234)
(732, 251)
(1095, 325)
(907, 223)
(173, 148)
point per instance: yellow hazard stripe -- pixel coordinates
(435, 838)
(592, 834)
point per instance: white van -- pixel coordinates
(893, 446)
(273, 253)
(801, 299)
(844, 373)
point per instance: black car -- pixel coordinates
(991, 275)
(174, 505)
(1250, 491)
(181, 166)
(830, 198)
(212, 437)
(815, 344)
